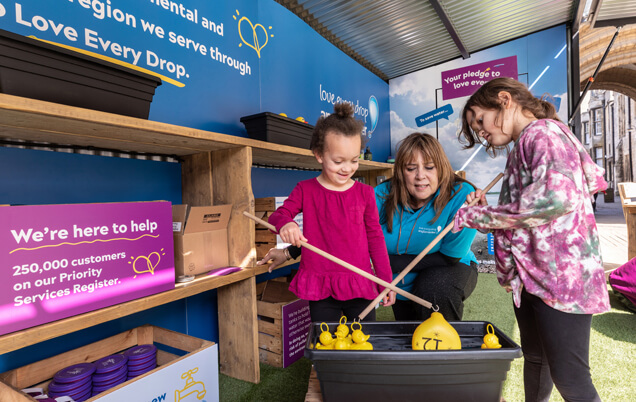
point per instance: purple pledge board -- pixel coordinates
(466, 80)
(296, 323)
(64, 260)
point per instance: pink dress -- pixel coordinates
(344, 224)
(544, 227)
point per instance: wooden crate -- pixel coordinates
(263, 248)
(267, 204)
(39, 374)
(283, 323)
(265, 236)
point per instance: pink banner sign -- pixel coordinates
(64, 260)
(466, 80)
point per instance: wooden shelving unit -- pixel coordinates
(216, 169)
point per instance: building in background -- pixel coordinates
(608, 125)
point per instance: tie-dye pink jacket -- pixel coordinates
(545, 233)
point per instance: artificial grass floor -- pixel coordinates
(612, 353)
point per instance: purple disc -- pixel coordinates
(110, 382)
(57, 388)
(141, 352)
(75, 373)
(141, 362)
(98, 389)
(84, 397)
(110, 363)
(73, 393)
(151, 363)
(107, 377)
(136, 373)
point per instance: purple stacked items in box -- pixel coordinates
(111, 371)
(141, 359)
(75, 381)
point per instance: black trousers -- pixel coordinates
(556, 348)
(445, 287)
(330, 309)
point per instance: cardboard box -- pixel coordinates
(200, 238)
(193, 376)
(283, 324)
(65, 260)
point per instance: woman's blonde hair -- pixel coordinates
(431, 150)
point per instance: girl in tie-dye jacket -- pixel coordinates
(546, 241)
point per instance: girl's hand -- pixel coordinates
(389, 299)
(276, 255)
(290, 233)
(477, 194)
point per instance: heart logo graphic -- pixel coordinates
(255, 32)
(151, 264)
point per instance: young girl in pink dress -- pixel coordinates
(546, 241)
(340, 217)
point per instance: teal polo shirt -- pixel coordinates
(416, 225)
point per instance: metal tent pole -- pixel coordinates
(591, 79)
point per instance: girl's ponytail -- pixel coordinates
(548, 109)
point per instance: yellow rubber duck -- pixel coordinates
(342, 329)
(359, 338)
(341, 343)
(490, 339)
(326, 338)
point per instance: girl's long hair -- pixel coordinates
(487, 97)
(398, 196)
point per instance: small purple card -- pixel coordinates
(296, 322)
(64, 260)
(466, 80)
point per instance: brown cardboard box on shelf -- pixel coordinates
(200, 238)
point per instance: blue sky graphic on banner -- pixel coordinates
(417, 103)
(219, 60)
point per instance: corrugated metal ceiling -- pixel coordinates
(396, 37)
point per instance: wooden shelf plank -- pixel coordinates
(202, 283)
(34, 120)
(263, 269)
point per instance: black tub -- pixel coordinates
(395, 372)
(278, 129)
(34, 69)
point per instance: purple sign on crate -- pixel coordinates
(466, 80)
(296, 323)
(64, 260)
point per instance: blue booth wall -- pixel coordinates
(258, 65)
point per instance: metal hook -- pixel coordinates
(435, 309)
